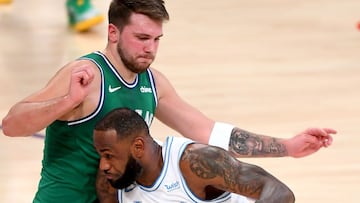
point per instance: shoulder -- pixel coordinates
(206, 157)
(162, 83)
(193, 152)
(197, 168)
(158, 75)
(82, 62)
(79, 65)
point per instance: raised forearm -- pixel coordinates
(27, 118)
(246, 144)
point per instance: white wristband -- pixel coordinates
(220, 135)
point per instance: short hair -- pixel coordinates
(120, 11)
(126, 122)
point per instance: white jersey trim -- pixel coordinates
(102, 97)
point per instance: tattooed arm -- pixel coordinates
(246, 144)
(243, 143)
(105, 192)
(207, 167)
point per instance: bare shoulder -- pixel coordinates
(201, 166)
(158, 75)
(81, 64)
(63, 75)
(206, 161)
(163, 85)
(67, 69)
(202, 160)
(197, 152)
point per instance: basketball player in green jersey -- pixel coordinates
(84, 90)
(82, 15)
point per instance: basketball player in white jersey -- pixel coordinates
(179, 171)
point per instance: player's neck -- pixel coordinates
(116, 61)
(153, 168)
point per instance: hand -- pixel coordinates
(104, 191)
(309, 141)
(81, 78)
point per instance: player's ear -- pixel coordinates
(138, 148)
(113, 33)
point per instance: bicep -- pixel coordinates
(179, 115)
(217, 168)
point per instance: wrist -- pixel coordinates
(285, 144)
(69, 102)
(220, 135)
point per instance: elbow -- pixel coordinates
(288, 196)
(7, 129)
(278, 192)
(291, 197)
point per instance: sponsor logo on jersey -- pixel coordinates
(144, 89)
(172, 186)
(113, 89)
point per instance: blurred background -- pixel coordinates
(272, 67)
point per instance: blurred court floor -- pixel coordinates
(273, 67)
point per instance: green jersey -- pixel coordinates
(70, 161)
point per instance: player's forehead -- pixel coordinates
(105, 139)
(140, 23)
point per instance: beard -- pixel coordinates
(130, 62)
(132, 172)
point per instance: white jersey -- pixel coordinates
(170, 185)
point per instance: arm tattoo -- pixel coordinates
(212, 162)
(243, 143)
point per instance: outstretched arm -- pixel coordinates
(244, 143)
(176, 113)
(204, 166)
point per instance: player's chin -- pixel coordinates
(144, 65)
(145, 62)
(109, 177)
(141, 67)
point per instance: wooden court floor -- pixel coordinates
(274, 67)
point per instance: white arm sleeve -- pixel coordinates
(220, 135)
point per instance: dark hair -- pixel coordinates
(126, 122)
(120, 11)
